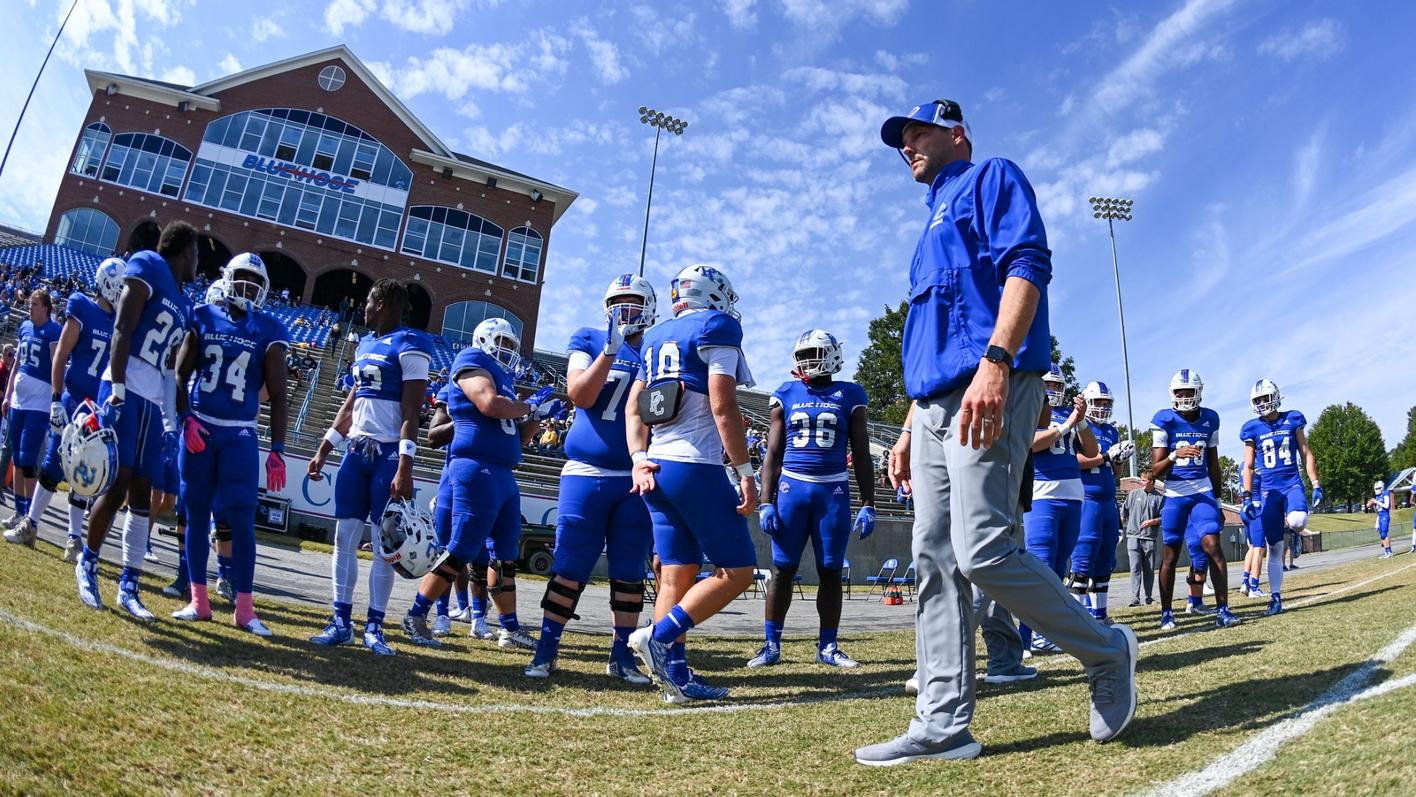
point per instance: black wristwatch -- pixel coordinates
(999, 355)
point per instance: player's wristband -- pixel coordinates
(119, 391)
(334, 438)
(1064, 430)
(1174, 455)
(744, 471)
(639, 456)
(407, 448)
(277, 448)
(54, 396)
(906, 430)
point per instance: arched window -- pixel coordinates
(91, 148)
(449, 235)
(147, 163)
(523, 255)
(87, 230)
(463, 317)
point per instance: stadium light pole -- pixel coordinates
(660, 122)
(5, 159)
(1114, 210)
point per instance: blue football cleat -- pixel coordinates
(374, 641)
(337, 632)
(128, 599)
(769, 654)
(833, 656)
(1197, 606)
(86, 576)
(1167, 620)
(1256, 592)
(693, 689)
(1275, 605)
(1225, 618)
(655, 656)
(1041, 644)
(626, 669)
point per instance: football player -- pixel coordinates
(26, 404)
(678, 434)
(237, 353)
(80, 357)
(490, 425)
(440, 430)
(597, 510)
(379, 419)
(1054, 522)
(1095, 555)
(1185, 454)
(153, 314)
(805, 491)
(1274, 444)
(1381, 502)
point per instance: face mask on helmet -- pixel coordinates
(1056, 389)
(630, 303)
(1378, 487)
(246, 288)
(628, 312)
(1265, 397)
(1099, 410)
(494, 336)
(1185, 399)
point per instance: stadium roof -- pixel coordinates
(435, 154)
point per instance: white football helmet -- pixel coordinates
(109, 279)
(406, 539)
(1265, 397)
(496, 337)
(1056, 386)
(1186, 379)
(1379, 487)
(817, 353)
(216, 292)
(702, 287)
(247, 282)
(88, 452)
(635, 317)
(1099, 402)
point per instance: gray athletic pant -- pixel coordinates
(1142, 566)
(1000, 633)
(965, 505)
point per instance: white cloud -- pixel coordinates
(603, 53)
(741, 13)
(836, 13)
(93, 20)
(1170, 44)
(180, 74)
(229, 65)
(433, 17)
(509, 68)
(265, 28)
(1317, 40)
(1306, 163)
(817, 80)
(341, 14)
(662, 33)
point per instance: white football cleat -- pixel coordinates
(225, 590)
(23, 534)
(514, 640)
(72, 549)
(12, 521)
(133, 605)
(481, 630)
(86, 576)
(442, 625)
(189, 613)
(255, 626)
(541, 670)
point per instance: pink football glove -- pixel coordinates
(192, 432)
(275, 472)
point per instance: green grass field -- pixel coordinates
(97, 704)
(1357, 521)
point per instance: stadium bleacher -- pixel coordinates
(56, 262)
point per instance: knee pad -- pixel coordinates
(1296, 520)
(571, 593)
(27, 471)
(507, 571)
(223, 532)
(1077, 582)
(78, 501)
(632, 606)
(47, 481)
(447, 566)
(1195, 578)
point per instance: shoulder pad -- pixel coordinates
(720, 329)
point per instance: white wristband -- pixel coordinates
(334, 438)
(1064, 430)
(639, 456)
(119, 391)
(407, 448)
(1174, 455)
(744, 471)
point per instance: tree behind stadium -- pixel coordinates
(1404, 455)
(881, 369)
(1350, 451)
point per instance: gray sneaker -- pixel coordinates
(902, 750)
(418, 633)
(1011, 675)
(72, 549)
(1113, 691)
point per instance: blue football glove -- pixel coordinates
(1317, 495)
(169, 446)
(536, 399)
(109, 412)
(1252, 508)
(865, 522)
(548, 409)
(768, 518)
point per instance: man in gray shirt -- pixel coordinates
(1141, 514)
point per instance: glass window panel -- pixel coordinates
(309, 212)
(329, 213)
(231, 136)
(217, 130)
(401, 177)
(114, 166)
(345, 156)
(172, 180)
(235, 187)
(415, 235)
(348, 220)
(305, 155)
(270, 139)
(382, 166)
(289, 141)
(289, 205)
(488, 248)
(299, 117)
(251, 199)
(271, 195)
(364, 157)
(451, 249)
(255, 129)
(368, 221)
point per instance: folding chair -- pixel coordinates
(846, 577)
(882, 579)
(760, 576)
(706, 570)
(907, 580)
(651, 584)
(796, 582)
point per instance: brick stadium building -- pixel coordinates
(312, 163)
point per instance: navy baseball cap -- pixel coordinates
(941, 113)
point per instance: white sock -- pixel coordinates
(39, 503)
(135, 539)
(1275, 558)
(76, 520)
(345, 569)
(380, 583)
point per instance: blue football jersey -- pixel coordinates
(226, 386)
(32, 348)
(90, 354)
(1058, 463)
(1275, 448)
(1189, 475)
(1101, 479)
(492, 441)
(597, 436)
(163, 323)
(670, 349)
(377, 368)
(818, 425)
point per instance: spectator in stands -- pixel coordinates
(346, 382)
(285, 296)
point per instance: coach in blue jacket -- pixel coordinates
(976, 343)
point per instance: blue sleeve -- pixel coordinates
(721, 329)
(587, 340)
(1248, 433)
(444, 394)
(1011, 224)
(275, 331)
(1298, 420)
(470, 360)
(417, 341)
(74, 307)
(862, 399)
(780, 395)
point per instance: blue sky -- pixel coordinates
(1270, 148)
